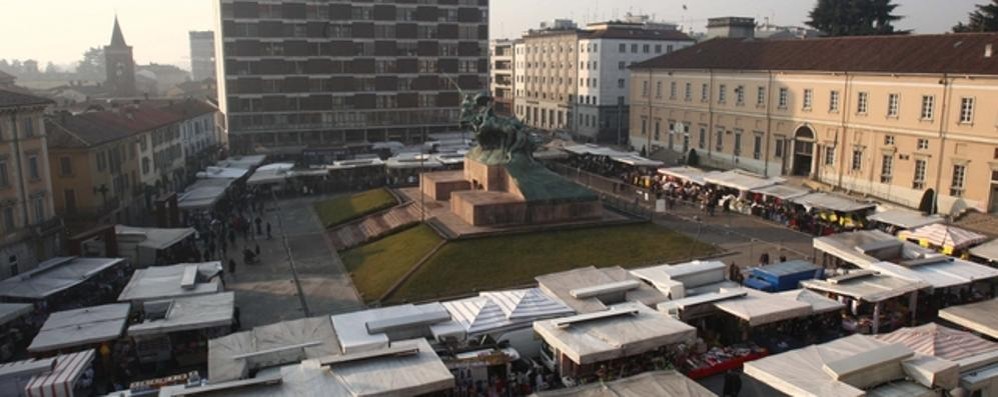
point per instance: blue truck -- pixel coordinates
(783, 276)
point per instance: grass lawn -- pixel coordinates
(375, 267)
(506, 261)
(345, 208)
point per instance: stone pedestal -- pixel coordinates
(439, 185)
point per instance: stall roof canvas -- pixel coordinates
(658, 383)
(560, 286)
(870, 288)
(354, 329)
(944, 273)
(161, 282)
(495, 311)
(826, 201)
(939, 341)
(188, 313)
(81, 327)
(11, 311)
(154, 237)
(944, 236)
(978, 317)
(314, 338)
(904, 219)
(55, 275)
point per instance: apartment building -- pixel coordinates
(334, 73)
(200, 137)
(501, 75)
(202, 55)
(30, 232)
(895, 117)
(577, 80)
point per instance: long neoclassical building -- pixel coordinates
(888, 116)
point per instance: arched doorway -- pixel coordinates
(803, 151)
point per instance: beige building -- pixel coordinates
(549, 76)
(892, 117)
(30, 232)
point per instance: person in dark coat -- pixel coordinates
(732, 384)
(259, 225)
(232, 266)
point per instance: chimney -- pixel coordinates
(988, 50)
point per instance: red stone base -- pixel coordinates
(440, 185)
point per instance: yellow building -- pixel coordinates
(30, 232)
(891, 116)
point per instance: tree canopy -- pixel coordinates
(983, 19)
(855, 17)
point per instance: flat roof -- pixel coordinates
(741, 180)
(782, 192)
(154, 237)
(233, 356)
(859, 247)
(658, 383)
(943, 273)
(686, 173)
(831, 202)
(978, 317)
(560, 286)
(613, 337)
(758, 308)
(11, 311)
(81, 327)
(904, 219)
(55, 275)
(160, 282)
(869, 287)
(988, 250)
(188, 313)
(361, 330)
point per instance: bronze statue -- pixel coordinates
(500, 139)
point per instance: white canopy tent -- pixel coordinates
(866, 286)
(978, 317)
(831, 202)
(185, 314)
(222, 173)
(686, 279)
(358, 163)
(635, 160)
(81, 327)
(450, 158)
(988, 251)
(11, 311)
(853, 366)
(406, 368)
(368, 329)
(782, 192)
(740, 180)
(271, 174)
(904, 219)
(412, 161)
(939, 272)
(686, 173)
(658, 383)
(55, 275)
(50, 377)
(863, 248)
(589, 289)
(758, 308)
(234, 356)
(244, 162)
(499, 311)
(819, 303)
(938, 341)
(140, 244)
(203, 194)
(623, 330)
(184, 279)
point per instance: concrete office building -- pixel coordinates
(501, 75)
(888, 116)
(202, 55)
(331, 74)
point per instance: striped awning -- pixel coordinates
(945, 236)
(491, 311)
(61, 381)
(942, 342)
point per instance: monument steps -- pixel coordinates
(374, 226)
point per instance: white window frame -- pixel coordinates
(928, 107)
(967, 110)
(893, 105)
(863, 103)
(808, 99)
(833, 101)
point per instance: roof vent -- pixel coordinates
(988, 50)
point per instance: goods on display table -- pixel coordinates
(718, 360)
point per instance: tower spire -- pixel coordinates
(117, 39)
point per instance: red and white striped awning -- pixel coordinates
(945, 236)
(942, 342)
(61, 381)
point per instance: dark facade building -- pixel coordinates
(120, 65)
(336, 73)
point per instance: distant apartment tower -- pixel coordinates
(202, 55)
(501, 75)
(577, 80)
(120, 64)
(317, 75)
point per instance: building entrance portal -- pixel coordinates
(803, 151)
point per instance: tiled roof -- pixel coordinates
(137, 118)
(638, 34)
(12, 99)
(962, 53)
(190, 108)
(80, 131)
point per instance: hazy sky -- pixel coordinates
(61, 30)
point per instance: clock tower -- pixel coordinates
(120, 65)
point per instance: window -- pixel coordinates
(621, 65)
(892, 105)
(644, 89)
(672, 90)
(702, 143)
(863, 102)
(38, 205)
(833, 101)
(959, 177)
(857, 159)
(808, 98)
(646, 48)
(757, 146)
(923, 144)
(719, 142)
(620, 83)
(65, 166)
(740, 95)
(928, 103)
(760, 96)
(634, 48)
(658, 129)
(644, 126)
(70, 198)
(829, 155)
(783, 98)
(888, 140)
(9, 223)
(778, 151)
(623, 49)
(688, 93)
(738, 142)
(29, 127)
(704, 92)
(33, 172)
(886, 168)
(918, 182)
(4, 178)
(658, 89)
(658, 48)
(966, 110)
(722, 93)
(145, 165)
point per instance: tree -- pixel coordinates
(50, 68)
(92, 67)
(855, 17)
(984, 19)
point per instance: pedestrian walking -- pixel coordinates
(232, 266)
(732, 384)
(259, 226)
(269, 236)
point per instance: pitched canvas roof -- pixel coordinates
(658, 383)
(81, 327)
(943, 342)
(494, 311)
(942, 53)
(978, 317)
(944, 236)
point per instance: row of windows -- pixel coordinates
(926, 113)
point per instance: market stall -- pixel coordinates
(378, 327)
(147, 246)
(863, 248)
(356, 175)
(876, 302)
(67, 282)
(894, 220)
(948, 276)
(81, 328)
(223, 173)
(773, 202)
(236, 356)
(986, 253)
(591, 289)
(16, 327)
(184, 279)
(178, 330)
(978, 317)
(824, 213)
(782, 276)
(625, 339)
(65, 375)
(949, 240)
(243, 162)
(404, 169)
(657, 383)
(271, 174)
(975, 356)
(854, 366)
(683, 174)
(735, 186)
(204, 194)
